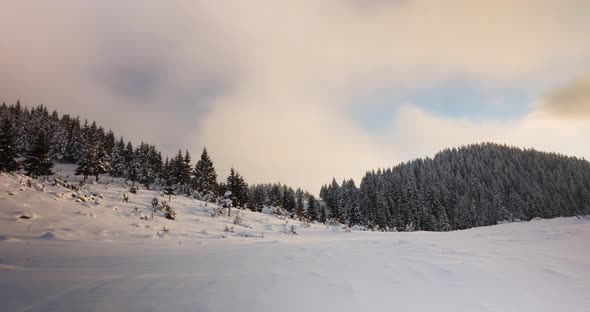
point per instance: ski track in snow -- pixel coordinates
(73, 256)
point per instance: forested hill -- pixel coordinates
(475, 185)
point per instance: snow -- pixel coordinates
(100, 254)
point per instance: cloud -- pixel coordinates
(265, 85)
(148, 71)
(571, 101)
(428, 133)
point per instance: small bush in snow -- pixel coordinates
(216, 212)
(228, 229)
(289, 230)
(305, 223)
(248, 234)
(238, 220)
(410, 227)
(332, 222)
(155, 202)
(169, 213)
(125, 198)
(164, 232)
(359, 228)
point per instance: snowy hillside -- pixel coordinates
(96, 212)
(67, 250)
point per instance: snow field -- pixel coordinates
(62, 253)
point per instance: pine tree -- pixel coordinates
(103, 162)
(323, 215)
(238, 188)
(134, 169)
(333, 201)
(58, 141)
(146, 158)
(276, 196)
(186, 168)
(87, 163)
(8, 153)
(443, 222)
(299, 210)
(75, 141)
(118, 159)
(257, 198)
(37, 162)
(312, 212)
(350, 203)
(166, 174)
(177, 168)
(289, 201)
(205, 178)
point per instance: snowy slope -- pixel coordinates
(72, 256)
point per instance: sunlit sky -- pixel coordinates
(303, 91)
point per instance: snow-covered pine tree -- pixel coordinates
(289, 201)
(36, 161)
(103, 161)
(109, 142)
(351, 204)
(154, 163)
(22, 122)
(145, 173)
(323, 218)
(58, 143)
(333, 201)
(177, 168)
(238, 188)
(186, 169)
(134, 169)
(129, 156)
(165, 173)
(243, 197)
(118, 159)
(205, 177)
(75, 141)
(87, 163)
(300, 209)
(312, 212)
(8, 155)
(257, 197)
(275, 195)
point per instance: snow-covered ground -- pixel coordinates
(61, 253)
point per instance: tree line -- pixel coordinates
(459, 188)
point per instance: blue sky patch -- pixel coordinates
(455, 99)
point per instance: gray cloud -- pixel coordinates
(144, 69)
(264, 84)
(571, 101)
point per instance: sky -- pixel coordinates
(303, 91)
